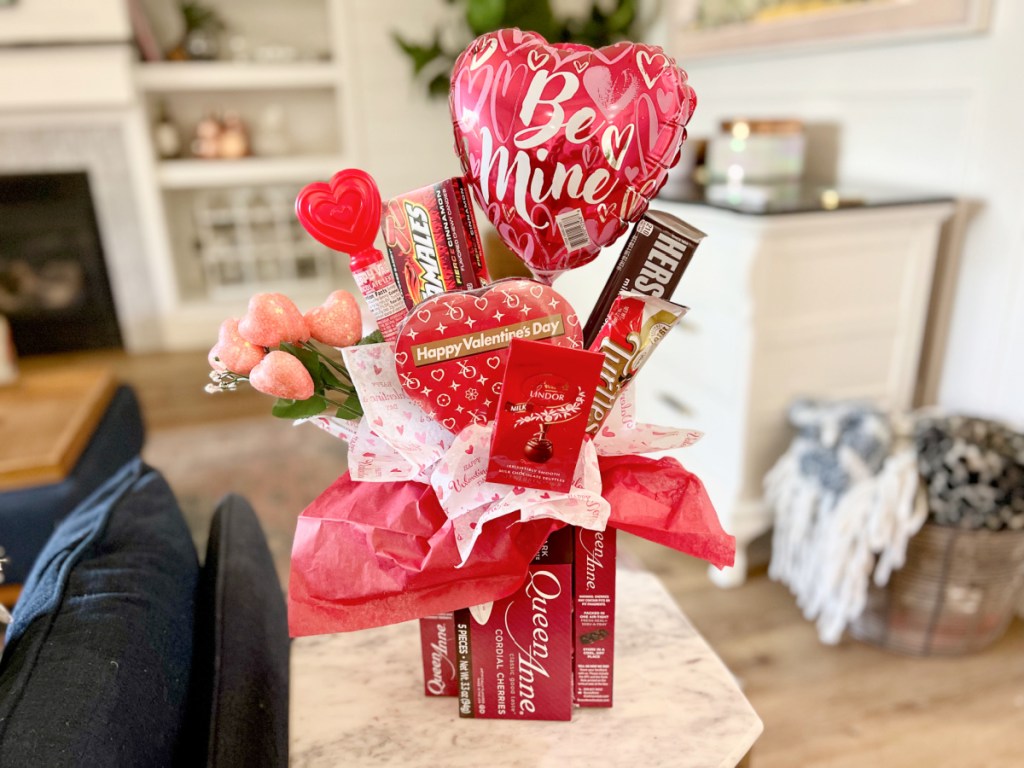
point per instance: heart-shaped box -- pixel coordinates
(452, 348)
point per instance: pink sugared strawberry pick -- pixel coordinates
(232, 352)
(282, 375)
(270, 347)
(272, 319)
(337, 321)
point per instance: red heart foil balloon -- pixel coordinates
(344, 213)
(565, 145)
(452, 348)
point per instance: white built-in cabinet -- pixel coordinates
(202, 200)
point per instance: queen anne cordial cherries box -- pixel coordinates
(433, 241)
(542, 415)
(437, 643)
(515, 663)
(594, 616)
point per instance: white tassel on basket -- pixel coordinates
(827, 546)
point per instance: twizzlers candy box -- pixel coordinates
(515, 661)
(432, 241)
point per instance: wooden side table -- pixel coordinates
(46, 419)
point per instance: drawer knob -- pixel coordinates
(675, 404)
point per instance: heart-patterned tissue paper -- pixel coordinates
(451, 350)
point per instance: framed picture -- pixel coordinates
(706, 28)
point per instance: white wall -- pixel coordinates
(945, 116)
(405, 139)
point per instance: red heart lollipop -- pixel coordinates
(452, 348)
(344, 213)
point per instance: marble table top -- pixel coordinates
(357, 700)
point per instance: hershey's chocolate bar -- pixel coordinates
(652, 262)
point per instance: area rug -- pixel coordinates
(278, 467)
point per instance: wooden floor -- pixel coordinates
(849, 706)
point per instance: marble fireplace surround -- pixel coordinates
(59, 123)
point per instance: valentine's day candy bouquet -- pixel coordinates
(493, 443)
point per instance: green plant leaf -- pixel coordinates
(330, 380)
(298, 409)
(351, 408)
(421, 55)
(374, 338)
(484, 15)
(535, 16)
(439, 85)
(310, 361)
(620, 21)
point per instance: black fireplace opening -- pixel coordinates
(54, 287)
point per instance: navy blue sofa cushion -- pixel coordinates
(240, 666)
(29, 516)
(97, 663)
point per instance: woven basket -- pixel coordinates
(956, 594)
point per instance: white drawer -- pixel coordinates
(707, 352)
(719, 452)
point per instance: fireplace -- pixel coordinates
(54, 287)
(103, 136)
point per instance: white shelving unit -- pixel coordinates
(169, 77)
(313, 93)
(201, 174)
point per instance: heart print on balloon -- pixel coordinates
(564, 145)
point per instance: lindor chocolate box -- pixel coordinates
(594, 616)
(432, 241)
(543, 410)
(437, 643)
(515, 660)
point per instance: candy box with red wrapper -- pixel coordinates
(482, 495)
(515, 655)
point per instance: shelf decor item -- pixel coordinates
(203, 30)
(491, 454)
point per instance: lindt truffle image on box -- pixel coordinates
(516, 663)
(437, 643)
(652, 262)
(432, 241)
(594, 617)
(542, 415)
